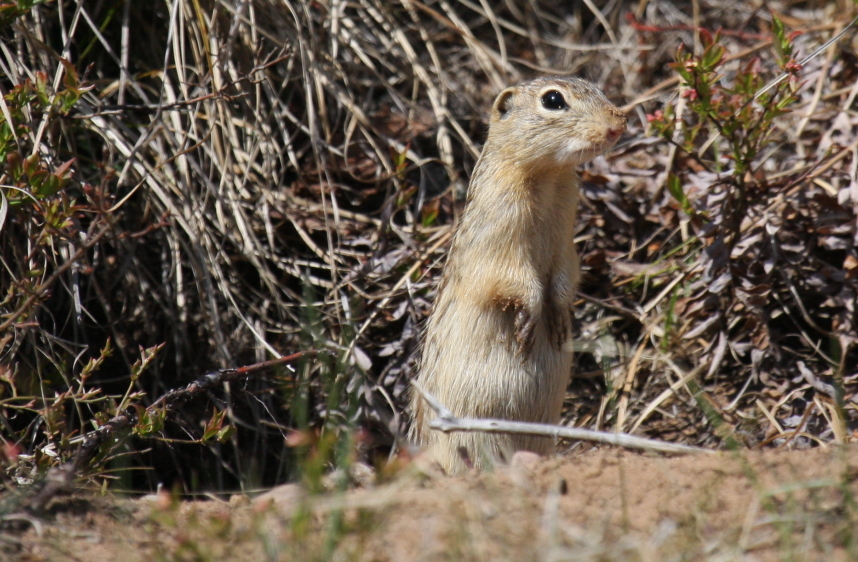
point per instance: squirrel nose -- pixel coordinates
(613, 133)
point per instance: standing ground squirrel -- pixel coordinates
(494, 346)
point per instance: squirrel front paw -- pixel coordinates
(525, 325)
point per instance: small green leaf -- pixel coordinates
(37, 178)
(404, 195)
(214, 427)
(429, 213)
(706, 38)
(225, 434)
(15, 166)
(50, 186)
(400, 160)
(70, 79)
(777, 27)
(674, 186)
(151, 421)
(31, 164)
(782, 43)
(62, 170)
(712, 57)
(42, 88)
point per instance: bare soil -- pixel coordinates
(598, 505)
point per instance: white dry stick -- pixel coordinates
(447, 422)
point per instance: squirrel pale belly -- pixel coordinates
(495, 343)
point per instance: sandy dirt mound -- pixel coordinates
(600, 505)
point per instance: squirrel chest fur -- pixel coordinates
(495, 343)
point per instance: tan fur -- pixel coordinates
(494, 345)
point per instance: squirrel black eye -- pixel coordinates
(553, 100)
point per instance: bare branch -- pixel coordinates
(447, 422)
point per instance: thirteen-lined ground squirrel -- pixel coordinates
(494, 344)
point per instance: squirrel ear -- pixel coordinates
(503, 103)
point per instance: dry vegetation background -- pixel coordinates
(239, 180)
